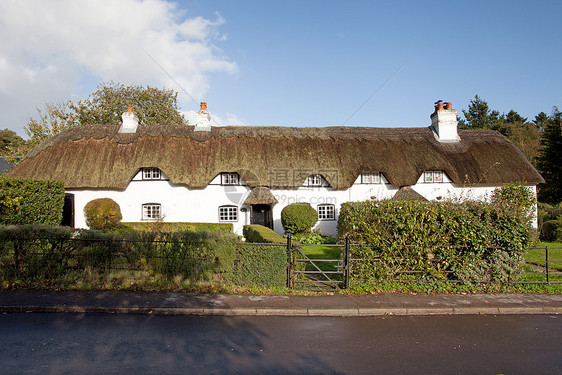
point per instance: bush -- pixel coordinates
(31, 202)
(160, 226)
(260, 265)
(256, 233)
(298, 218)
(469, 241)
(102, 214)
(551, 230)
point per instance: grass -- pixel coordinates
(538, 255)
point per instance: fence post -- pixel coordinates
(289, 261)
(346, 262)
(546, 263)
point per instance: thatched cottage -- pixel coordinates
(247, 174)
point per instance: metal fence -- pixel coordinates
(306, 270)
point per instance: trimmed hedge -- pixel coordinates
(24, 201)
(256, 233)
(260, 266)
(61, 256)
(469, 241)
(298, 218)
(102, 214)
(152, 226)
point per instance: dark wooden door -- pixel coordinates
(68, 211)
(262, 215)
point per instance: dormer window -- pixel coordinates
(432, 176)
(315, 180)
(371, 178)
(230, 178)
(151, 174)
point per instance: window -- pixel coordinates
(326, 212)
(150, 174)
(229, 179)
(370, 178)
(433, 176)
(314, 180)
(151, 211)
(228, 213)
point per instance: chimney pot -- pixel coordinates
(130, 108)
(203, 106)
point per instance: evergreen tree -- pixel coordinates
(550, 161)
(479, 115)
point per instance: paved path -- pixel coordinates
(286, 305)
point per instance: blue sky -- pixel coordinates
(292, 63)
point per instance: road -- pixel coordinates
(43, 343)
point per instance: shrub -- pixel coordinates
(31, 202)
(298, 218)
(550, 230)
(180, 227)
(102, 214)
(470, 241)
(260, 265)
(256, 233)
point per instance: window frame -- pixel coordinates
(230, 178)
(315, 180)
(148, 211)
(326, 212)
(151, 173)
(430, 177)
(367, 178)
(230, 216)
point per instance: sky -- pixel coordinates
(285, 63)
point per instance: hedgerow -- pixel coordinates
(298, 218)
(24, 201)
(469, 241)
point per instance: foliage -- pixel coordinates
(24, 201)
(469, 241)
(161, 226)
(517, 195)
(102, 214)
(549, 163)
(51, 255)
(256, 233)
(479, 115)
(298, 218)
(551, 230)
(314, 237)
(104, 106)
(260, 265)
(9, 140)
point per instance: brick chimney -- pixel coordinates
(130, 121)
(203, 119)
(444, 122)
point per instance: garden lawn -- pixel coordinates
(537, 254)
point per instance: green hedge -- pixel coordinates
(25, 201)
(470, 241)
(298, 218)
(260, 265)
(47, 255)
(256, 233)
(102, 214)
(159, 226)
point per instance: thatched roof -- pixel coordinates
(260, 195)
(100, 157)
(406, 193)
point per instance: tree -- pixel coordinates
(549, 162)
(8, 140)
(479, 115)
(104, 107)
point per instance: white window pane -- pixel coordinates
(428, 176)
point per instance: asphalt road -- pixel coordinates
(47, 343)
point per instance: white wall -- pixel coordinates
(181, 204)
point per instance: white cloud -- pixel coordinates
(54, 50)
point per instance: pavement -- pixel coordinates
(168, 303)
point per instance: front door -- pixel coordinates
(68, 211)
(261, 214)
